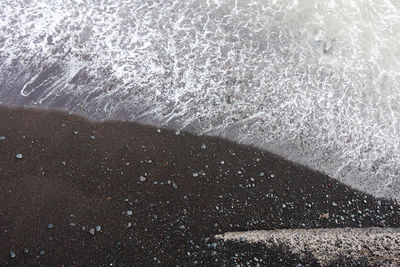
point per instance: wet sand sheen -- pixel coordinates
(77, 174)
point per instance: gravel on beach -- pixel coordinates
(135, 195)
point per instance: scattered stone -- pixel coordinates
(129, 224)
(325, 216)
(129, 213)
(334, 204)
(75, 132)
(26, 251)
(195, 174)
(92, 231)
(12, 254)
(203, 146)
(177, 132)
(19, 156)
(2, 138)
(50, 226)
(262, 174)
(272, 175)
(158, 131)
(92, 137)
(283, 205)
(42, 252)
(142, 178)
(98, 228)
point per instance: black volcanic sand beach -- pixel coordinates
(77, 175)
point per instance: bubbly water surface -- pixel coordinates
(315, 81)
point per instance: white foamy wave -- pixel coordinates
(314, 81)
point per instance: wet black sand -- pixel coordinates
(75, 173)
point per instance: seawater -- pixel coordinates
(314, 81)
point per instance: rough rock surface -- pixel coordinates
(373, 246)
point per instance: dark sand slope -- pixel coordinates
(78, 175)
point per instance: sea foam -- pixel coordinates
(314, 81)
